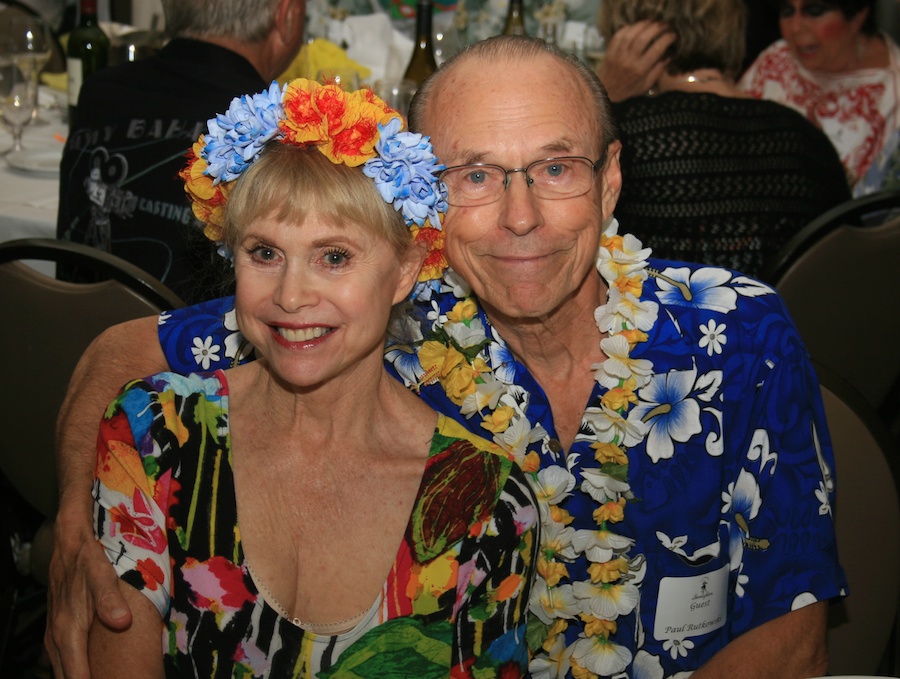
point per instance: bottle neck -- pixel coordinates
(515, 19)
(423, 24)
(88, 11)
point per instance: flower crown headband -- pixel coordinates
(353, 128)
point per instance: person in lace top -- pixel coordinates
(710, 175)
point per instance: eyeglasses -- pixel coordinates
(550, 179)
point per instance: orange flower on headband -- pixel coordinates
(207, 199)
(344, 123)
(435, 260)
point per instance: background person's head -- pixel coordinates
(268, 33)
(710, 33)
(861, 11)
(828, 36)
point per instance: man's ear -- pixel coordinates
(289, 18)
(612, 179)
(410, 266)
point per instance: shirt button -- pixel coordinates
(554, 445)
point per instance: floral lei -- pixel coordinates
(457, 353)
(353, 128)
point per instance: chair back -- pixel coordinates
(841, 291)
(49, 324)
(862, 633)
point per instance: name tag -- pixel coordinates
(689, 607)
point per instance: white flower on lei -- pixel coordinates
(549, 603)
(630, 260)
(713, 337)
(556, 540)
(612, 427)
(606, 601)
(705, 289)
(517, 436)
(555, 663)
(602, 487)
(619, 365)
(205, 351)
(671, 416)
(487, 395)
(453, 282)
(466, 335)
(597, 544)
(623, 311)
(600, 656)
(554, 484)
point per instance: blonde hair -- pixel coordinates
(289, 182)
(710, 33)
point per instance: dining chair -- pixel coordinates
(862, 628)
(47, 326)
(870, 210)
(837, 278)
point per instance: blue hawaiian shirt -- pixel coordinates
(733, 487)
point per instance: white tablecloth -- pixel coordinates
(29, 200)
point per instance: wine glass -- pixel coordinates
(18, 93)
(594, 48)
(347, 78)
(30, 41)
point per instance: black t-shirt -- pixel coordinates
(119, 185)
(720, 180)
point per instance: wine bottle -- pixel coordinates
(422, 63)
(87, 52)
(515, 19)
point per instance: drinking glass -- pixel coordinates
(347, 78)
(594, 48)
(396, 93)
(18, 94)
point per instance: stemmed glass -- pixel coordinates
(18, 92)
(30, 37)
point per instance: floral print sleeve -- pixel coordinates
(454, 603)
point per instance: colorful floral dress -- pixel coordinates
(454, 603)
(859, 111)
(721, 513)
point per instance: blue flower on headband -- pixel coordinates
(237, 136)
(405, 172)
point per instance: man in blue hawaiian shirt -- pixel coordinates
(666, 413)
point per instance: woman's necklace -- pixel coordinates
(322, 628)
(476, 371)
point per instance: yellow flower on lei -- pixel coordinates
(449, 366)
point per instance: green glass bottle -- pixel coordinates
(422, 63)
(87, 51)
(515, 19)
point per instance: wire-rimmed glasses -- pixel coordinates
(550, 179)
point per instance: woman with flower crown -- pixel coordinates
(305, 514)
